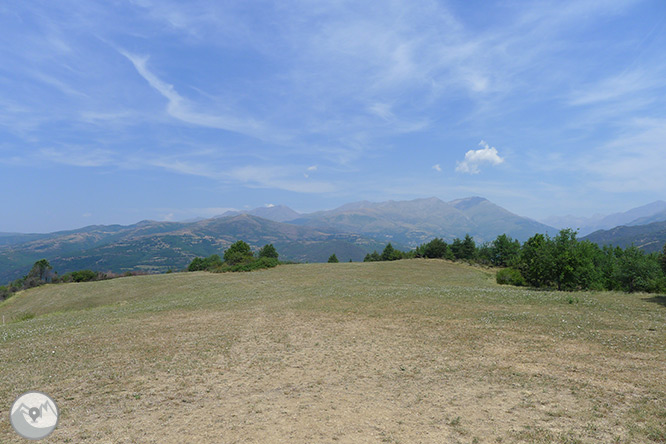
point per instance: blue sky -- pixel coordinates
(118, 111)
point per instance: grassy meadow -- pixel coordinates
(412, 351)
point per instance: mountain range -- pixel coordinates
(650, 237)
(652, 212)
(350, 231)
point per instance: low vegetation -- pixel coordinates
(562, 262)
(401, 351)
(238, 257)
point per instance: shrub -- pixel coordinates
(5, 293)
(510, 276)
(268, 251)
(238, 253)
(333, 259)
(264, 262)
(372, 257)
(83, 276)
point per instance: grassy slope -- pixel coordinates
(409, 351)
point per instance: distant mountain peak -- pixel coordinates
(468, 202)
(276, 213)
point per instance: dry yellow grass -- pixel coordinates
(403, 352)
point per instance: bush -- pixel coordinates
(333, 259)
(83, 276)
(5, 293)
(238, 253)
(372, 257)
(268, 251)
(202, 264)
(510, 276)
(264, 262)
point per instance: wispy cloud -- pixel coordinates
(180, 108)
(474, 158)
(632, 162)
(437, 168)
(619, 86)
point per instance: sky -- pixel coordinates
(120, 111)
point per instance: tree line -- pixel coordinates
(562, 262)
(238, 257)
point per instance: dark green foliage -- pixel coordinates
(504, 251)
(390, 253)
(238, 257)
(4, 292)
(203, 264)
(437, 248)
(264, 262)
(662, 259)
(268, 251)
(238, 253)
(536, 261)
(464, 249)
(637, 271)
(40, 273)
(333, 259)
(565, 263)
(372, 257)
(510, 276)
(79, 276)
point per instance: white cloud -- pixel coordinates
(473, 158)
(437, 168)
(270, 205)
(312, 168)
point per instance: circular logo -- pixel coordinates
(34, 415)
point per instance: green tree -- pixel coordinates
(468, 248)
(372, 257)
(662, 259)
(464, 249)
(333, 259)
(637, 271)
(504, 251)
(536, 261)
(238, 253)
(40, 273)
(390, 253)
(566, 259)
(436, 248)
(269, 251)
(197, 264)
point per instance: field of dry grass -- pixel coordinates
(404, 352)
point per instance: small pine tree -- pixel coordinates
(333, 259)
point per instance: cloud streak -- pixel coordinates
(180, 108)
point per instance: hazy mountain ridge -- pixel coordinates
(649, 238)
(159, 246)
(349, 231)
(277, 213)
(652, 212)
(417, 221)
